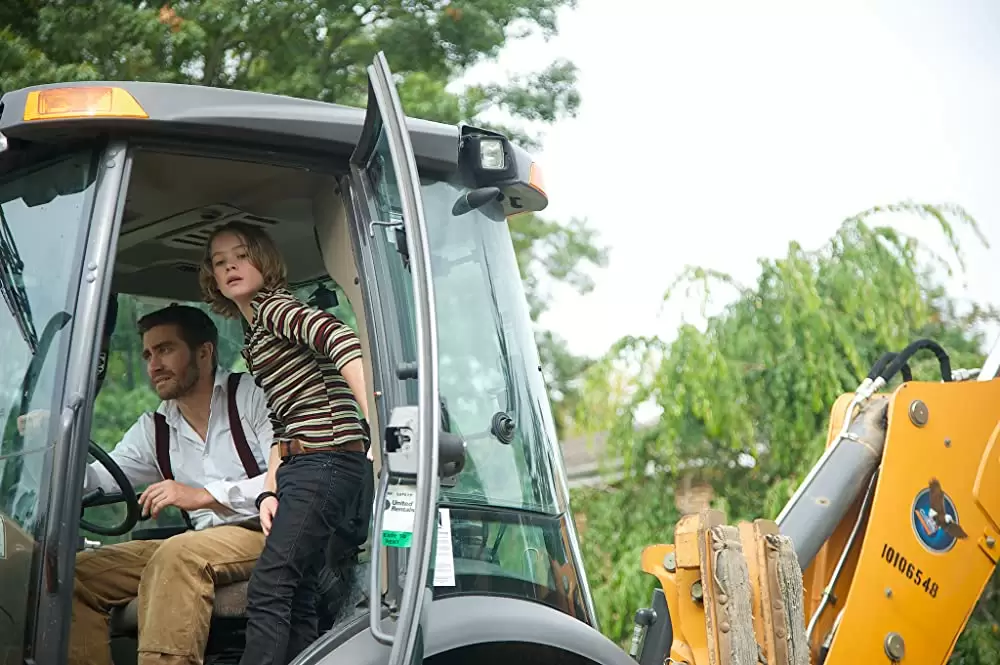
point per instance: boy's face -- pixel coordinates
(235, 275)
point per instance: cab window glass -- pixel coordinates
(43, 213)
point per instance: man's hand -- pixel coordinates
(172, 493)
(268, 508)
(32, 421)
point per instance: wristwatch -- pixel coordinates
(262, 496)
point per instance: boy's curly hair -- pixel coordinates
(263, 254)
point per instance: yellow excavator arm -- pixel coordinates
(879, 557)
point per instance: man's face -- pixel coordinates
(172, 367)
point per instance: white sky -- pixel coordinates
(714, 133)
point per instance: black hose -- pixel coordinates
(905, 371)
(884, 360)
(880, 364)
(896, 364)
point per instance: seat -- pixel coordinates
(230, 603)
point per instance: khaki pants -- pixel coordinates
(174, 580)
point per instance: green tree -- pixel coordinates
(744, 400)
(320, 50)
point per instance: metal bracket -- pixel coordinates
(401, 457)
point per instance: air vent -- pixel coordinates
(203, 222)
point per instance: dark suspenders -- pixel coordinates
(162, 432)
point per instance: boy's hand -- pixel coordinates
(268, 508)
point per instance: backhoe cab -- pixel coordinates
(396, 225)
(879, 557)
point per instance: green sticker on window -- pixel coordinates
(397, 538)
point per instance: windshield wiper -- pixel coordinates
(12, 285)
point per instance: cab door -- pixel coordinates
(408, 479)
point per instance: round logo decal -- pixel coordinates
(935, 519)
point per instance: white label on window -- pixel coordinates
(444, 558)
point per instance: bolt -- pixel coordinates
(697, 592)
(947, 443)
(918, 413)
(990, 541)
(888, 592)
(670, 562)
(724, 626)
(894, 647)
(723, 599)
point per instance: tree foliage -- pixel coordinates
(744, 400)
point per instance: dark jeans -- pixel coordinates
(314, 492)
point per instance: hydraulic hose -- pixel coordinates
(904, 356)
(883, 361)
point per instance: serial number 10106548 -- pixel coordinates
(911, 572)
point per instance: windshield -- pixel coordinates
(12, 284)
(43, 212)
(490, 381)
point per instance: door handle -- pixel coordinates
(67, 421)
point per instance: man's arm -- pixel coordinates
(135, 456)
(240, 496)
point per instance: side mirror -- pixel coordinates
(475, 199)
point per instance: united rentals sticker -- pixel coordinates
(398, 518)
(935, 519)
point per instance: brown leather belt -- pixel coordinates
(295, 447)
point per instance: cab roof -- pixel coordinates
(193, 111)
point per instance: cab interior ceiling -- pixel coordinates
(175, 201)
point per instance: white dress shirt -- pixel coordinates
(212, 464)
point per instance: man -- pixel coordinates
(200, 456)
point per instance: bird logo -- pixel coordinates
(935, 519)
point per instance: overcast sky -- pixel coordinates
(714, 133)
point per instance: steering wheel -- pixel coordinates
(99, 497)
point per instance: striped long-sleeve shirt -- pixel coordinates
(295, 353)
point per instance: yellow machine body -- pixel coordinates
(911, 579)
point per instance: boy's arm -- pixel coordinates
(324, 333)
